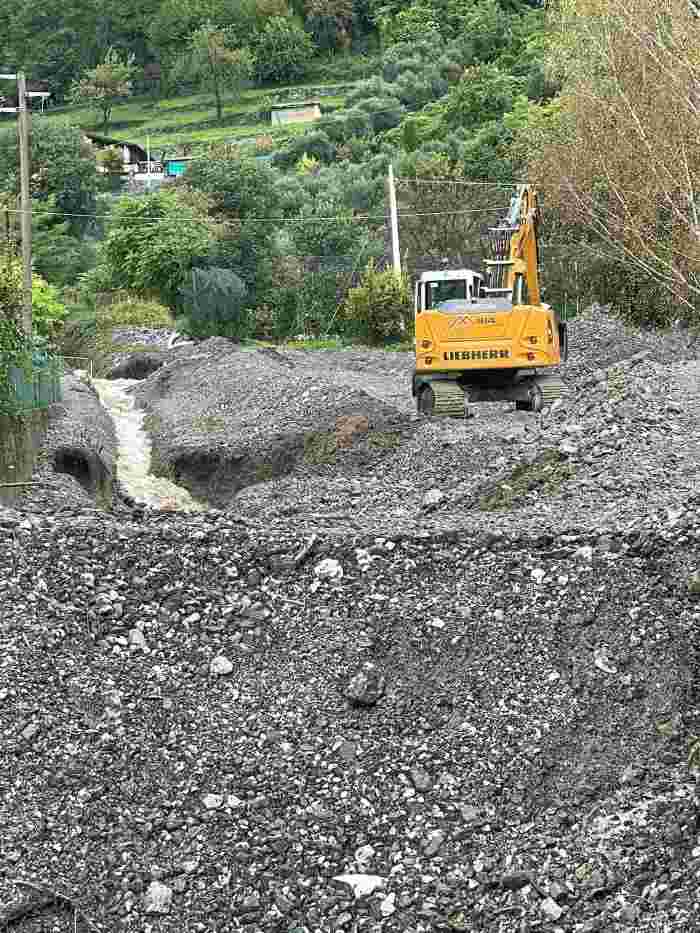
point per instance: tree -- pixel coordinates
(330, 23)
(63, 169)
(621, 165)
(283, 51)
(215, 64)
(106, 85)
(242, 195)
(154, 242)
(484, 93)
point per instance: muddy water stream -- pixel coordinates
(134, 453)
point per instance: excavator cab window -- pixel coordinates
(446, 290)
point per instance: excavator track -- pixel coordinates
(449, 400)
(551, 388)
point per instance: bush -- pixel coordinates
(48, 311)
(283, 51)
(380, 307)
(315, 144)
(374, 87)
(153, 242)
(413, 90)
(384, 112)
(213, 304)
(357, 124)
(484, 93)
(10, 289)
(136, 312)
(110, 159)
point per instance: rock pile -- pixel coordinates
(450, 686)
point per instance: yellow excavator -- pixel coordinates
(487, 336)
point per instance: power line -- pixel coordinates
(457, 181)
(153, 222)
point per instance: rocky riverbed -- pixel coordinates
(443, 681)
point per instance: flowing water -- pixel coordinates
(134, 451)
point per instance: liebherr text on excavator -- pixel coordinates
(487, 336)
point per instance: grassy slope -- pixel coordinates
(190, 119)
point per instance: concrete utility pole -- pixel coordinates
(394, 220)
(24, 129)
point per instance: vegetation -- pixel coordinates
(283, 51)
(213, 62)
(464, 92)
(106, 84)
(380, 307)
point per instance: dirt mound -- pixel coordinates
(222, 417)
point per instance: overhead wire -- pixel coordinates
(155, 221)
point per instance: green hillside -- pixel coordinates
(191, 119)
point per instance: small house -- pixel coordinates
(295, 112)
(132, 153)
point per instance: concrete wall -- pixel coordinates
(20, 441)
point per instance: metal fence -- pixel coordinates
(37, 386)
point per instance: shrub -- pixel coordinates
(10, 289)
(380, 307)
(315, 144)
(484, 93)
(213, 304)
(283, 51)
(374, 87)
(413, 90)
(334, 126)
(415, 22)
(357, 124)
(153, 242)
(110, 159)
(384, 112)
(48, 311)
(136, 312)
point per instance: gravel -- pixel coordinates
(184, 743)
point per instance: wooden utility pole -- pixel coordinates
(24, 130)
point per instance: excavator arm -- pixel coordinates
(523, 218)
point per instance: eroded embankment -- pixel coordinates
(222, 418)
(76, 460)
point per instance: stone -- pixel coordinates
(30, 732)
(433, 842)
(157, 898)
(328, 569)
(551, 909)
(433, 498)
(364, 856)
(388, 905)
(422, 781)
(220, 666)
(568, 449)
(137, 640)
(366, 686)
(347, 426)
(514, 880)
(362, 885)
(694, 583)
(251, 901)
(213, 801)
